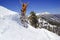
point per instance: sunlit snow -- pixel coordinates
(11, 28)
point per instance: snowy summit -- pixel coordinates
(43, 13)
(11, 28)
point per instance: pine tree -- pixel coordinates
(33, 19)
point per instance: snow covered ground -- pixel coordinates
(11, 28)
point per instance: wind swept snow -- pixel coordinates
(10, 29)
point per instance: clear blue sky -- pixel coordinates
(52, 6)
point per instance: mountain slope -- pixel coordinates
(11, 29)
(51, 18)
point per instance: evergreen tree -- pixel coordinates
(33, 19)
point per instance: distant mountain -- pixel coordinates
(42, 13)
(53, 19)
(57, 15)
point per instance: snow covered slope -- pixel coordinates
(10, 29)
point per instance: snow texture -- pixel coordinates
(12, 29)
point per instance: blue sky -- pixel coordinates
(52, 6)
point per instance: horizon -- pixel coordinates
(51, 6)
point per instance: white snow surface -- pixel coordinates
(42, 13)
(11, 28)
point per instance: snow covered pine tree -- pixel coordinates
(23, 16)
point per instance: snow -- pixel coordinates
(43, 13)
(11, 29)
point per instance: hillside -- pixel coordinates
(12, 29)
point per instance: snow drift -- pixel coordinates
(11, 29)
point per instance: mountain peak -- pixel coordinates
(43, 13)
